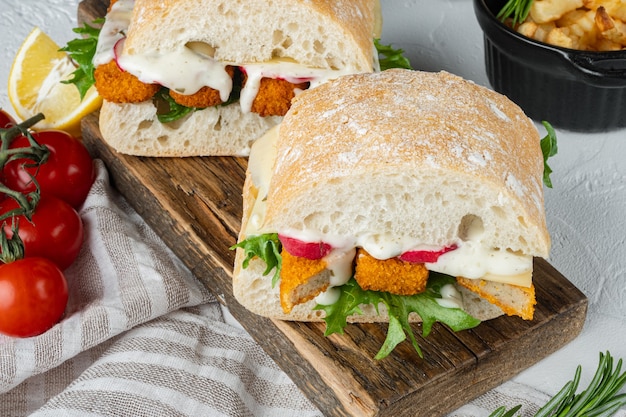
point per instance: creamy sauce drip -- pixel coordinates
(450, 297)
(472, 259)
(186, 69)
(287, 70)
(340, 265)
(116, 23)
(260, 163)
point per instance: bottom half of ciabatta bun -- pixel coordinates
(134, 129)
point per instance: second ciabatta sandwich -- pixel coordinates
(392, 193)
(230, 68)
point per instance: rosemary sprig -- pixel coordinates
(516, 9)
(600, 399)
(502, 412)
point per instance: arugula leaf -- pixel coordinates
(519, 9)
(399, 307)
(549, 149)
(352, 296)
(174, 111)
(265, 246)
(82, 51)
(390, 57)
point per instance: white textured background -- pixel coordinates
(586, 209)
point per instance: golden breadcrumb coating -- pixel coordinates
(301, 280)
(390, 275)
(205, 97)
(512, 299)
(274, 96)
(119, 86)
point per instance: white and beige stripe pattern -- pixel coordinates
(124, 276)
(141, 337)
(186, 363)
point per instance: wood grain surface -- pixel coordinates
(194, 204)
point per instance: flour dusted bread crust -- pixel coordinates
(327, 34)
(403, 156)
(420, 155)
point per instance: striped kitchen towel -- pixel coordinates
(185, 363)
(123, 276)
(141, 336)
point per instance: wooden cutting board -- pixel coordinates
(194, 204)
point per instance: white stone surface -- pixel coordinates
(585, 209)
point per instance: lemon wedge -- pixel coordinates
(35, 86)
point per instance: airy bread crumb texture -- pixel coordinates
(134, 129)
(329, 34)
(410, 156)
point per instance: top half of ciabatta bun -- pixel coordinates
(387, 161)
(331, 34)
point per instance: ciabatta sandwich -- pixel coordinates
(230, 67)
(393, 193)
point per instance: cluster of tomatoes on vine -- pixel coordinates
(45, 177)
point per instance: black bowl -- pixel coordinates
(574, 90)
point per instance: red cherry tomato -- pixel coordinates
(308, 250)
(56, 231)
(33, 296)
(67, 174)
(425, 256)
(6, 120)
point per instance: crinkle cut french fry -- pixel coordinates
(607, 45)
(582, 27)
(621, 27)
(603, 20)
(541, 34)
(575, 17)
